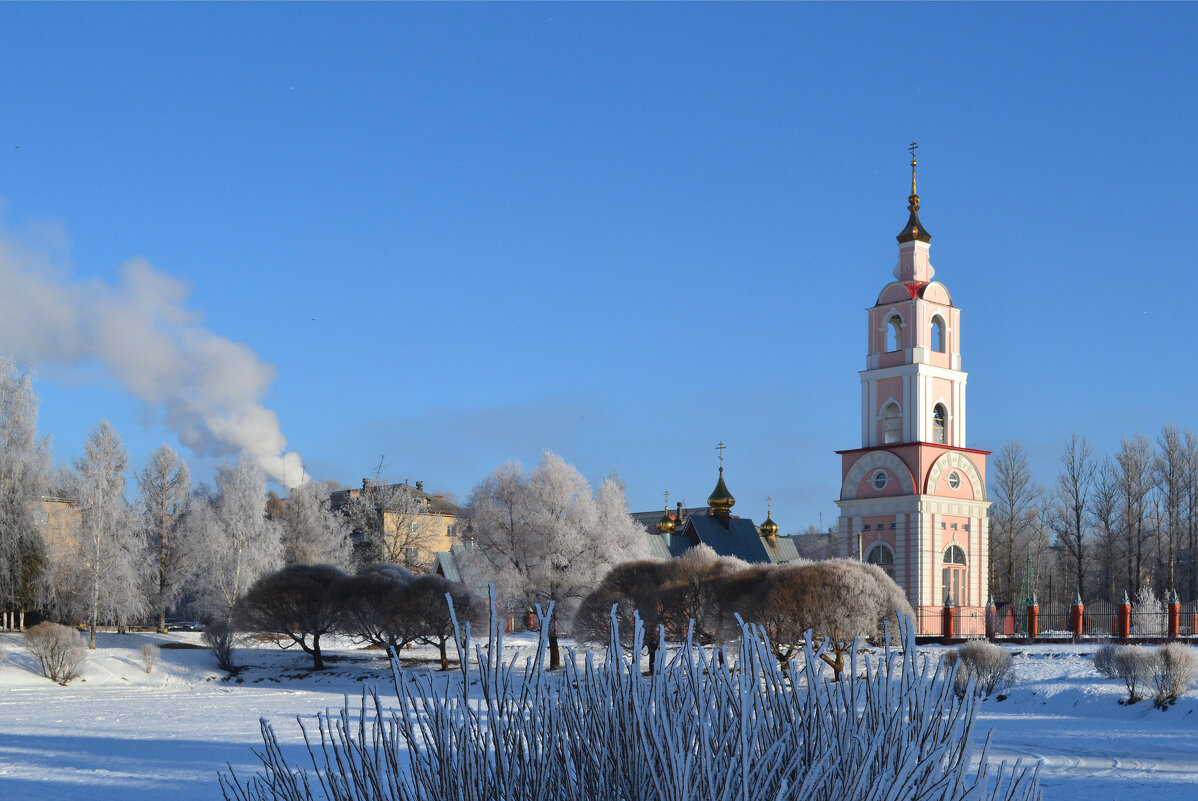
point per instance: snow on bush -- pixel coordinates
(1135, 664)
(221, 637)
(1175, 671)
(58, 649)
(149, 656)
(1104, 661)
(987, 664)
(1148, 614)
(706, 725)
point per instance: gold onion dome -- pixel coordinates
(769, 528)
(721, 499)
(914, 229)
(666, 524)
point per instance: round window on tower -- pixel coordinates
(880, 480)
(954, 479)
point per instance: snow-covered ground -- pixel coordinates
(118, 733)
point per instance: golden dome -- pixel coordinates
(769, 528)
(666, 524)
(721, 499)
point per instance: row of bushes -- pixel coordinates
(382, 605)
(1169, 670)
(61, 650)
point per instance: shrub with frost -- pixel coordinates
(58, 649)
(1135, 665)
(1175, 671)
(1148, 614)
(149, 656)
(221, 639)
(1104, 661)
(701, 727)
(987, 664)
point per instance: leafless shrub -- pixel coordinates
(297, 602)
(1104, 661)
(221, 638)
(149, 656)
(1175, 671)
(59, 650)
(988, 664)
(1134, 664)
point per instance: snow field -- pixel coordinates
(119, 733)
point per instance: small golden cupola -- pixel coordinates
(769, 528)
(666, 524)
(721, 499)
(914, 229)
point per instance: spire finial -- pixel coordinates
(913, 201)
(769, 509)
(667, 499)
(721, 448)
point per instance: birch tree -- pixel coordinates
(165, 486)
(312, 533)
(1133, 472)
(106, 570)
(1169, 472)
(545, 536)
(24, 465)
(239, 544)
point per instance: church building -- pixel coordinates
(913, 497)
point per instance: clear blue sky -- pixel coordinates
(463, 234)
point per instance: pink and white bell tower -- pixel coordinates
(913, 497)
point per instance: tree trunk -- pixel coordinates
(317, 659)
(444, 653)
(91, 634)
(555, 656)
(652, 658)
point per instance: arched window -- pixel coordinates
(938, 334)
(940, 425)
(883, 557)
(892, 423)
(894, 334)
(954, 576)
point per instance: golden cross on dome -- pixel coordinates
(767, 505)
(914, 146)
(721, 448)
(667, 499)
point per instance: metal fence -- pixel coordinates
(1099, 619)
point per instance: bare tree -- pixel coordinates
(1074, 484)
(1013, 516)
(106, 568)
(296, 603)
(24, 465)
(371, 603)
(237, 542)
(426, 603)
(631, 588)
(545, 536)
(1104, 506)
(1133, 472)
(165, 486)
(1190, 446)
(312, 533)
(1169, 470)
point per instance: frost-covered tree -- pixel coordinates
(165, 486)
(312, 533)
(545, 536)
(104, 573)
(296, 602)
(24, 464)
(394, 523)
(236, 541)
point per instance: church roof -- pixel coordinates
(733, 536)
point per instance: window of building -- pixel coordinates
(940, 425)
(955, 576)
(938, 334)
(892, 423)
(954, 481)
(881, 480)
(865, 527)
(894, 525)
(894, 334)
(883, 557)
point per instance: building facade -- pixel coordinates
(913, 497)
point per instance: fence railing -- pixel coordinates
(1098, 619)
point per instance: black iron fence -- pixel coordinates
(1098, 619)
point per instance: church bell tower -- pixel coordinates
(913, 497)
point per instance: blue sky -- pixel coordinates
(462, 234)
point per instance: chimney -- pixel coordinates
(678, 514)
(365, 483)
(420, 486)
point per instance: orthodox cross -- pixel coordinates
(667, 499)
(768, 508)
(914, 146)
(721, 448)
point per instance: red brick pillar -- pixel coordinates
(1174, 615)
(1033, 618)
(1124, 618)
(947, 619)
(1075, 616)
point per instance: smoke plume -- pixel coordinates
(143, 335)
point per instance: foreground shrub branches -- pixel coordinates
(706, 725)
(58, 649)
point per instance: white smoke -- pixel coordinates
(140, 331)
